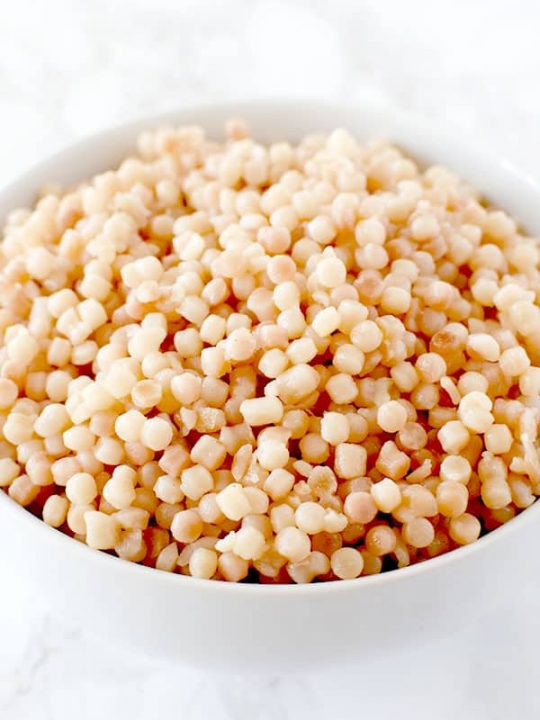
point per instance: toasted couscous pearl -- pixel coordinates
(498, 439)
(262, 411)
(391, 416)
(514, 361)
(8, 393)
(249, 543)
(464, 529)
(366, 336)
(310, 517)
(347, 563)
(102, 531)
(81, 489)
(335, 428)
(203, 563)
(386, 495)
(186, 526)
(418, 532)
(156, 434)
(331, 272)
(455, 468)
(453, 436)
(55, 510)
(326, 321)
(360, 507)
(233, 502)
(380, 540)
(293, 544)
(452, 498)
(128, 426)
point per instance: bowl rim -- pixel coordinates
(499, 175)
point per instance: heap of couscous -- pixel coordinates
(279, 363)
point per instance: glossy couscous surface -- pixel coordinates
(281, 363)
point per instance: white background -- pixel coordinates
(69, 67)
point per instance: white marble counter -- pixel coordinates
(68, 67)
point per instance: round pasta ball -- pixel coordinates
(156, 434)
(331, 272)
(391, 416)
(347, 563)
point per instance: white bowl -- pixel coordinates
(274, 628)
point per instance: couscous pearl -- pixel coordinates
(196, 481)
(391, 416)
(81, 489)
(347, 563)
(326, 322)
(309, 517)
(186, 526)
(293, 544)
(418, 532)
(335, 428)
(464, 529)
(272, 455)
(156, 434)
(452, 498)
(366, 336)
(262, 411)
(331, 272)
(102, 531)
(386, 495)
(128, 426)
(203, 563)
(514, 361)
(249, 543)
(55, 510)
(498, 439)
(484, 346)
(119, 491)
(233, 502)
(232, 567)
(8, 393)
(453, 436)
(456, 468)
(360, 507)
(380, 540)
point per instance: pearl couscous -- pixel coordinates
(274, 363)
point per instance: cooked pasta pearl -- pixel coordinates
(203, 563)
(156, 434)
(331, 272)
(386, 495)
(347, 563)
(391, 416)
(293, 544)
(464, 529)
(81, 489)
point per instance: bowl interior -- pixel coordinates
(283, 121)
(289, 120)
